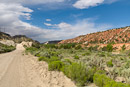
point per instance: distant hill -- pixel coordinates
(52, 42)
(16, 39)
(117, 36)
(5, 36)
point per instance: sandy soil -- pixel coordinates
(19, 70)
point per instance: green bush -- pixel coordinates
(67, 46)
(101, 80)
(78, 47)
(37, 55)
(110, 64)
(53, 58)
(67, 62)
(123, 47)
(109, 48)
(42, 59)
(5, 48)
(102, 54)
(77, 72)
(55, 65)
(87, 53)
(76, 57)
(93, 48)
(48, 46)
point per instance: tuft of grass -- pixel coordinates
(109, 63)
(76, 57)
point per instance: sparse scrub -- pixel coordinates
(76, 57)
(123, 47)
(109, 63)
(77, 72)
(101, 80)
(5, 48)
(79, 64)
(56, 65)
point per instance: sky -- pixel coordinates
(46, 20)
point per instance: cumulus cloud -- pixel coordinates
(48, 19)
(81, 4)
(47, 24)
(84, 4)
(65, 31)
(11, 14)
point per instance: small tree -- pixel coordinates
(109, 48)
(123, 47)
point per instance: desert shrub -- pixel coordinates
(102, 54)
(77, 72)
(90, 74)
(104, 48)
(52, 53)
(87, 53)
(36, 45)
(50, 46)
(56, 65)
(67, 46)
(123, 47)
(109, 63)
(101, 80)
(53, 58)
(5, 48)
(42, 58)
(76, 57)
(93, 48)
(37, 55)
(127, 65)
(31, 49)
(67, 62)
(78, 47)
(109, 48)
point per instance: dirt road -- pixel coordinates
(20, 70)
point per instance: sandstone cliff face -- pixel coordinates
(120, 35)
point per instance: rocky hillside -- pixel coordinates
(119, 35)
(5, 36)
(20, 38)
(16, 39)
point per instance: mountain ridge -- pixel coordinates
(117, 35)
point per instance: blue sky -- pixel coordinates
(116, 14)
(45, 20)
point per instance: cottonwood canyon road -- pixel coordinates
(20, 70)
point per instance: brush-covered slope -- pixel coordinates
(119, 35)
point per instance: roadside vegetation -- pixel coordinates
(5, 48)
(87, 65)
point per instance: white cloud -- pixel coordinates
(65, 31)
(81, 4)
(31, 2)
(48, 19)
(10, 14)
(47, 24)
(84, 4)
